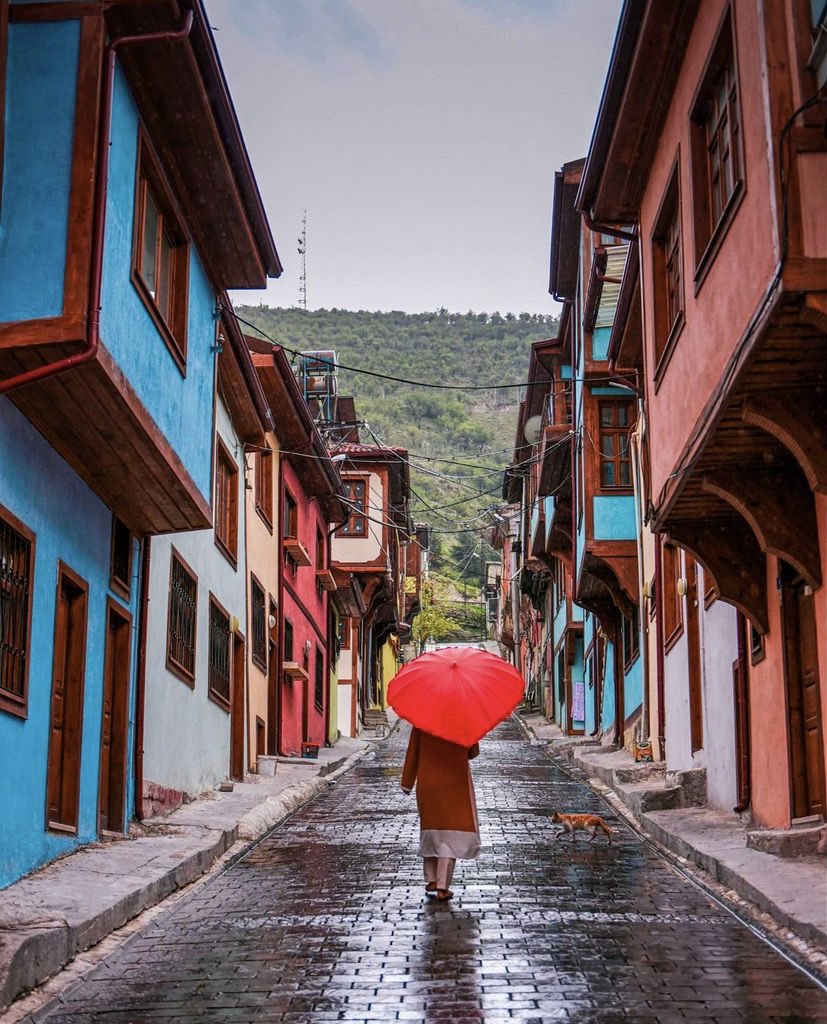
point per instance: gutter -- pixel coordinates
(90, 351)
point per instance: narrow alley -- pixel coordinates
(326, 920)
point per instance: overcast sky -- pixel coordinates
(421, 136)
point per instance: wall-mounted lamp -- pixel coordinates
(271, 621)
(647, 589)
(681, 586)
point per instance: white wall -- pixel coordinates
(354, 550)
(186, 734)
(719, 640)
(345, 708)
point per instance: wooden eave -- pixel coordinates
(626, 339)
(565, 232)
(92, 416)
(240, 387)
(608, 584)
(744, 485)
(348, 596)
(182, 96)
(646, 60)
(555, 457)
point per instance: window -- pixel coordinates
(672, 602)
(290, 524)
(16, 566)
(667, 267)
(321, 555)
(258, 626)
(559, 576)
(160, 269)
(120, 565)
(183, 598)
(226, 501)
(717, 162)
(288, 640)
(616, 421)
(356, 491)
(318, 692)
(757, 651)
(817, 60)
(631, 638)
(218, 674)
(264, 485)
(343, 634)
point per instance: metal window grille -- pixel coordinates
(15, 580)
(182, 613)
(219, 646)
(259, 625)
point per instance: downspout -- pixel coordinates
(277, 710)
(606, 229)
(140, 680)
(659, 659)
(643, 618)
(98, 214)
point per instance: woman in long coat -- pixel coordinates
(447, 808)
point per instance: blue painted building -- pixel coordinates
(128, 207)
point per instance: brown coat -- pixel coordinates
(444, 790)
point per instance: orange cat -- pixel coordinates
(588, 822)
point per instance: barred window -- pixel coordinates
(183, 605)
(219, 653)
(258, 624)
(16, 563)
(318, 696)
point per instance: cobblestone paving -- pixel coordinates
(326, 920)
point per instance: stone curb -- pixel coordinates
(36, 944)
(739, 872)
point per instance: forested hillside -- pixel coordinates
(474, 427)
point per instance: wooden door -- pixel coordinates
(66, 721)
(237, 707)
(803, 698)
(695, 670)
(115, 721)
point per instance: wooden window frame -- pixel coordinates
(670, 599)
(258, 644)
(631, 639)
(213, 692)
(10, 701)
(122, 587)
(709, 229)
(619, 458)
(290, 516)
(177, 668)
(263, 500)
(287, 633)
(667, 274)
(346, 530)
(318, 681)
(172, 326)
(225, 530)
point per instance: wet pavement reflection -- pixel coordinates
(326, 920)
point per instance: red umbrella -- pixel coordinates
(456, 693)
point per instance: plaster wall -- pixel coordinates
(186, 733)
(607, 708)
(263, 561)
(718, 309)
(41, 91)
(615, 517)
(344, 708)
(356, 550)
(71, 525)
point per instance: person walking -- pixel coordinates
(448, 824)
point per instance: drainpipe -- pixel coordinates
(99, 214)
(277, 710)
(605, 229)
(659, 658)
(643, 617)
(140, 680)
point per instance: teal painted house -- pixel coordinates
(128, 208)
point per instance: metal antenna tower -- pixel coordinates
(303, 271)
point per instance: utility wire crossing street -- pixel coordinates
(327, 920)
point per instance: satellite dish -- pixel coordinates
(531, 430)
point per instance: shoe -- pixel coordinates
(443, 895)
(430, 890)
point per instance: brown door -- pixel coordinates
(115, 724)
(803, 698)
(237, 709)
(273, 682)
(693, 639)
(63, 778)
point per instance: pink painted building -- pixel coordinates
(709, 150)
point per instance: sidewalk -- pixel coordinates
(792, 890)
(50, 916)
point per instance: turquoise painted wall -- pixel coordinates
(177, 404)
(633, 685)
(71, 524)
(600, 343)
(614, 517)
(607, 710)
(588, 636)
(40, 108)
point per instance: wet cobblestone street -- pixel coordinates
(326, 920)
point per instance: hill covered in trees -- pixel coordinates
(473, 427)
